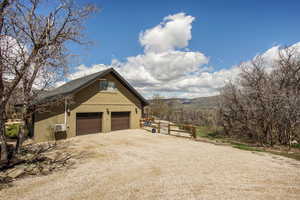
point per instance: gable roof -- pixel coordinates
(77, 84)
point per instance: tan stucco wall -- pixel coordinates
(89, 99)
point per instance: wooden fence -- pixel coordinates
(171, 128)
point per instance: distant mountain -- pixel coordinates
(195, 103)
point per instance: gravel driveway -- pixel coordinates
(135, 164)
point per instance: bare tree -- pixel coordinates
(3, 12)
(40, 44)
(263, 104)
(158, 107)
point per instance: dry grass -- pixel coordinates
(135, 164)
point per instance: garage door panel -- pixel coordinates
(120, 120)
(88, 123)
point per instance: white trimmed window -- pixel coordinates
(105, 85)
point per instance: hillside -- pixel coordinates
(195, 103)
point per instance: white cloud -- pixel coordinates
(196, 85)
(173, 32)
(83, 70)
(13, 55)
(168, 67)
(272, 54)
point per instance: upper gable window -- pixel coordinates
(105, 85)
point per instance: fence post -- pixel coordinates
(169, 129)
(194, 132)
(141, 123)
(158, 127)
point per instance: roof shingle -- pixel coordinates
(76, 84)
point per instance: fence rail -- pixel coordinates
(181, 128)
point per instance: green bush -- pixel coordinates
(210, 132)
(296, 146)
(12, 130)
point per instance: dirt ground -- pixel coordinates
(135, 164)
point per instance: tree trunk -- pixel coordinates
(21, 134)
(4, 153)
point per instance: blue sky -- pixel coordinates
(227, 32)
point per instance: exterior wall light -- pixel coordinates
(107, 111)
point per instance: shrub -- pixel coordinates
(296, 146)
(12, 131)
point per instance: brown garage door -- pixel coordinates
(120, 120)
(87, 123)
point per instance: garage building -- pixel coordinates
(97, 103)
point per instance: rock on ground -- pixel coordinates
(15, 173)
